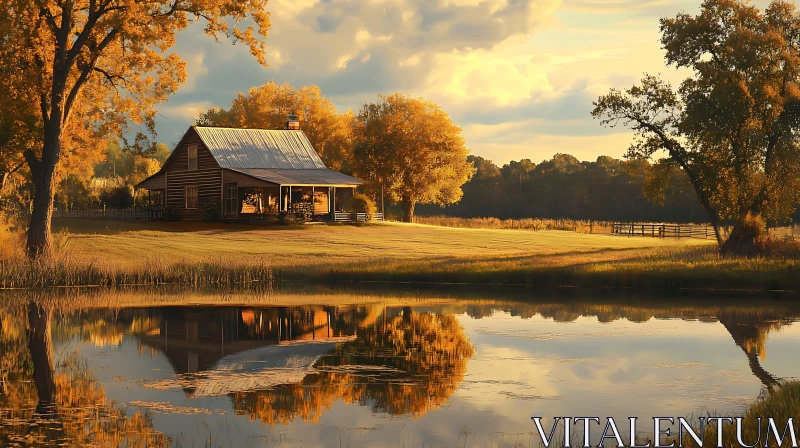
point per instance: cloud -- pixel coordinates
(533, 66)
(195, 70)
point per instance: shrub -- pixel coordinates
(212, 212)
(293, 218)
(745, 239)
(118, 196)
(777, 247)
(362, 203)
(170, 214)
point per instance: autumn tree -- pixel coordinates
(108, 59)
(21, 126)
(732, 125)
(413, 150)
(266, 107)
(18, 122)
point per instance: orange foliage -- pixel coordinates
(410, 364)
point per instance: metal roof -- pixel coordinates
(320, 177)
(260, 148)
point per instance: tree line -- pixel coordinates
(606, 189)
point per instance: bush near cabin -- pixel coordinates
(362, 203)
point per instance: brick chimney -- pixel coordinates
(292, 122)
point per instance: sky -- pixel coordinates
(519, 76)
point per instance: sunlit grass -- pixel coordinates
(200, 254)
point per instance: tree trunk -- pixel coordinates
(408, 210)
(40, 344)
(39, 237)
(3, 180)
(43, 173)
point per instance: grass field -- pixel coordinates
(109, 252)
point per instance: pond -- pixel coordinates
(354, 369)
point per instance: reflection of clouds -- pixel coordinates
(550, 336)
(685, 367)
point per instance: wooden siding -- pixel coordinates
(207, 178)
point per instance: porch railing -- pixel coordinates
(357, 217)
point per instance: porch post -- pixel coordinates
(312, 201)
(333, 205)
(330, 209)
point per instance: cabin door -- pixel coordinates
(231, 200)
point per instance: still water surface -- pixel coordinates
(386, 371)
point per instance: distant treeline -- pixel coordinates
(607, 189)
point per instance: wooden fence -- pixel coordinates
(702, 231)
(663, 230)
(125, 214)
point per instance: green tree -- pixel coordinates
(266, 107)
(731, 126)
(516, 173)
(101, 63)
(161, 153)
(413, 149)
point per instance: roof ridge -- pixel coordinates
(245, 129)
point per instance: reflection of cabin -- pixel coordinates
(247, 173)
(228, 349)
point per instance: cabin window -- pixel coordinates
(191, 197)
(192, 150)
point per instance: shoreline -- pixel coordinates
(95, 254)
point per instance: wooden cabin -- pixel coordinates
(248, 173)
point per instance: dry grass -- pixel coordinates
(782, 404)
(530, 224)
(201, 254)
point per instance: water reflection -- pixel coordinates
(750, 334)
(407, 363)
(279, 366)
(65, 407)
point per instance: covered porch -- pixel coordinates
(260, 196)
(156, 187)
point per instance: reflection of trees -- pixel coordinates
(66, 407)
(408, 364)
(750, 334)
